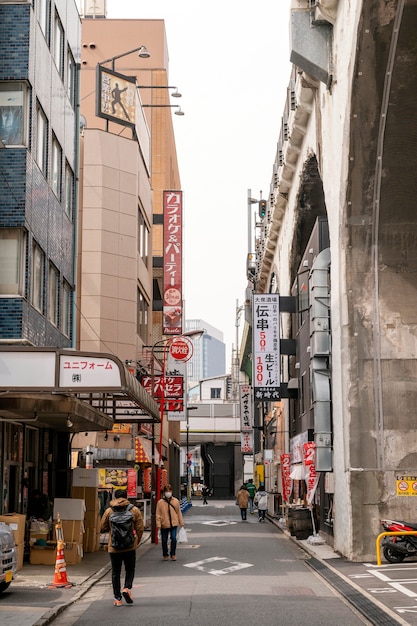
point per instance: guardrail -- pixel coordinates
(185, 505)
(390, 534)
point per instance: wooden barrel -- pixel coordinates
(302, 523)
(290, 521)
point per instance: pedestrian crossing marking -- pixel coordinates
(204, 566)
(219, 522)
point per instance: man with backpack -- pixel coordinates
(124, 523)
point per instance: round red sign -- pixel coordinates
(180, 349)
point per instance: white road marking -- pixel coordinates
(204, 566)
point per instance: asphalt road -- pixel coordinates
(230, 572)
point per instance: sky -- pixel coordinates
(230, 61)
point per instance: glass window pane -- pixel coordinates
(56, 167)
(69, 191)
(53, 293)
(38, 264)
(12, 255)
(12, 113)
(41, 140)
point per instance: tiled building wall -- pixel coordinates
(27, 199)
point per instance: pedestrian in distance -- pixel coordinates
(251, 487)
(124, 523)
(261, 501)
(205, 492)
(168, 518)
(242, 500)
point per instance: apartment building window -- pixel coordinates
(143, 238)
(41, 139)
(215, 393)
(66, 309)
(38, 272)
(13, 113)
(53, 294)
(59, 45)
(56, 167)
(43, 17)
(142, 316)
(69, 191)
(12, 261)
(71, 77)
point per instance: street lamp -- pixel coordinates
(142, 51)
(162, 106)
(174, 94)
(165, 344)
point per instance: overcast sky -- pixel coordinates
(230, 60)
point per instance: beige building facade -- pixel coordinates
(123, 173)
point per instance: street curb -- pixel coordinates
(85, 586)
(395, 619)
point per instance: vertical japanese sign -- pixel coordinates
(246, 440)
(266, 349)
(312, 477)
(172, 263)
(285, 477)
(246, 419)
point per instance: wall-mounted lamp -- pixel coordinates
(116, 438)
(159, 106)
(70, 424)
(106, 436)
(142, 51)
(175, 94)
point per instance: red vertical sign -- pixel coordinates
(172, 261)
(285, 477)
(312, 478)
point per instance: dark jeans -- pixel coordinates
(117, 559)
(165, 533)
(251, 504)
(261, 513)
(243, 513)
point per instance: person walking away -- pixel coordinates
(168, 518)
(242, 499)
(205, 491)
(124, 523)
(251, 487)
(261, 501)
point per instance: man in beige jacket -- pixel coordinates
(168, 518)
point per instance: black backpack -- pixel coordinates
(121, 525)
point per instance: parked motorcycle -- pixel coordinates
(397, 547)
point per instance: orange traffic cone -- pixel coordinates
(60, 578)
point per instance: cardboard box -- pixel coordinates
(92, 519)
(69, 509)
(91, 539)
(20, 554)
(73, 552)
(17, 523)
(89, 495)
(43, 556)
(72, 530)
(82, 477)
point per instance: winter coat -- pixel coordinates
(251, 488)
(242, 498)
(261, 500)
(168, 513)
(105, 524)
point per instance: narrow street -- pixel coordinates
(230, 572)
